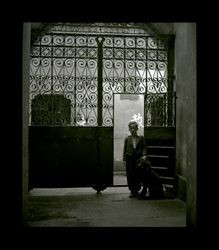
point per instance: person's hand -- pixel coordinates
(144, 157)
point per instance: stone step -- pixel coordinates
(158, 156)
(159, 168)
(162, 147)
(167, 177)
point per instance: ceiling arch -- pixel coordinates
(39, 29)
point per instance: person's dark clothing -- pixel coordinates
(129, 150)
(131, 155)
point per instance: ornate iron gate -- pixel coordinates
(73, 77)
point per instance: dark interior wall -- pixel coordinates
(25, 93)
(185, 84)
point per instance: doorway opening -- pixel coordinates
(127, 107)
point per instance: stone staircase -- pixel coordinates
(161, 153)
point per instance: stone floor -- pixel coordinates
(83, 207)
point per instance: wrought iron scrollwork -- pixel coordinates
(50, 109)
(67, 65)
(160, 109)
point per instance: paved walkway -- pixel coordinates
(83, 207)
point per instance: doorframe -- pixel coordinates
(127, 125)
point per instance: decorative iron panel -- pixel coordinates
(68, 64)
(132, 65)
(159, 110)
(51, 109)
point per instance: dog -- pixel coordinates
(149, 179)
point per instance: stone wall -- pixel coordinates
(185, 84)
